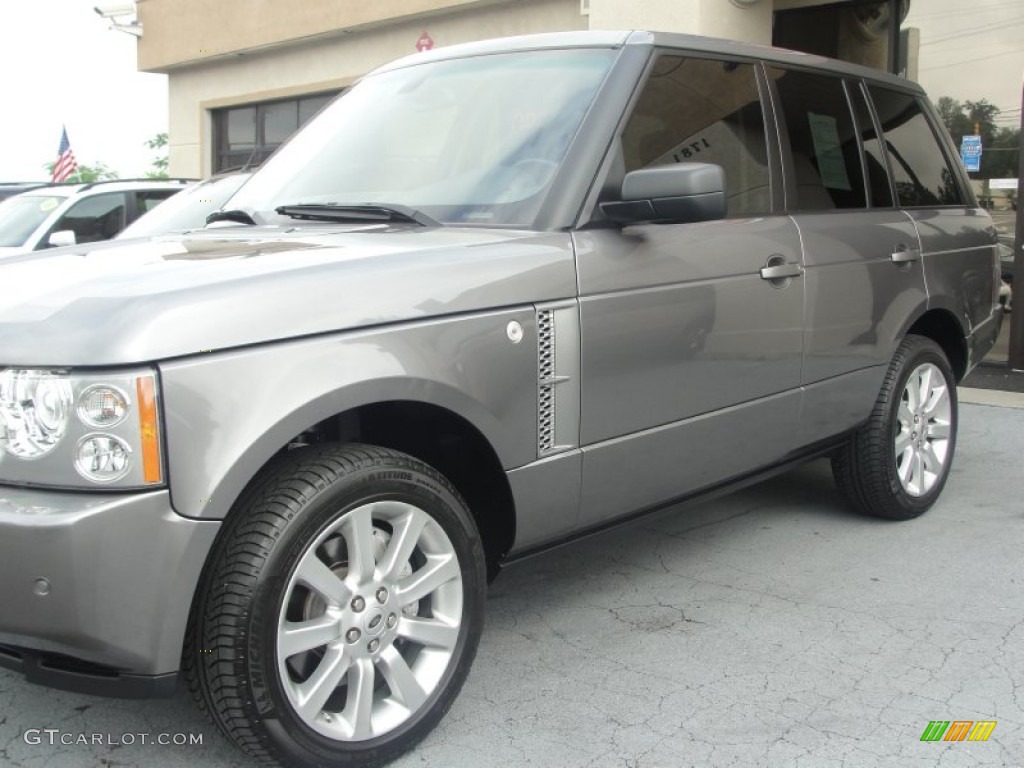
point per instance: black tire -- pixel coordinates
(231, 657)
(867, 469)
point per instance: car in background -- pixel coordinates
(11, 188)
(69, 214)
(189, 208)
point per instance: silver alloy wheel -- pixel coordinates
(370, 620)
(923, 428)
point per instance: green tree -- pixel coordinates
(999, 156)
(981, 116)
(1004, 158)
(160, 162)
(953, 117)
(85, 173)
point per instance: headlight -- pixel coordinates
(35, 407)
(102, 405)
(103, 458)
(71, 429)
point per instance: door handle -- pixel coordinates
(905, 255)
(779, 272)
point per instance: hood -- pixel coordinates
(147, 300)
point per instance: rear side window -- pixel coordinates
(703, 111)
(823, 140)
(148, 199)
(921, 172)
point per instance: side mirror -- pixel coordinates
(670, 193)
(62, 238)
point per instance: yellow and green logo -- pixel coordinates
(958, 730)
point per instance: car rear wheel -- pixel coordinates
(896, 465)
(341, 609)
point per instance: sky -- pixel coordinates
(60, 64)
(972, 50)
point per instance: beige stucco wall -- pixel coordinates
(183, 31)
(233, 52)
(315, 65)
(716, 18)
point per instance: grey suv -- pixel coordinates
(494, 297)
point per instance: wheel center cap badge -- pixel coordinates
(375, 623)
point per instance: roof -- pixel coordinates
(766, 53)
(618, 39)
(115, 184)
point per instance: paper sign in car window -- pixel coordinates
(48, 204)
(828, 152)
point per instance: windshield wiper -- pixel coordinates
(233, 214)
(359, 212)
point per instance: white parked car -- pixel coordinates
(69, 214)
(189, 208)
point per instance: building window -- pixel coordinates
(246, 135)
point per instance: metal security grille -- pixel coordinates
(546, 381)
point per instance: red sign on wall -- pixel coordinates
(425, 43)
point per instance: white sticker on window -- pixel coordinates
(831, 165)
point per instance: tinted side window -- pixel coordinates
(703, 111)
(95, 218)
(826, 157)
(147, 200)
(874, 156)
(923, 176)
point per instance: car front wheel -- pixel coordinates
(341, 609)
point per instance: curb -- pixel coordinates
(990, 397)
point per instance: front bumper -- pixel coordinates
(103, 579)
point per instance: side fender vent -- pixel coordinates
(558, 367)
(546, 381)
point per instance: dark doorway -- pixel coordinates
(863, 31)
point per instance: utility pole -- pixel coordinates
(1017, 316)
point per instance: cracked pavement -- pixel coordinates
(772, 627)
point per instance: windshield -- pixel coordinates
(469, 141)
(187, 209)
(20, 216)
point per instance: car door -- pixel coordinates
(862, 255)
(690, 356)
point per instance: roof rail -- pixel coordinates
(90, 184)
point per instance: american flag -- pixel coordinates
(66, 164)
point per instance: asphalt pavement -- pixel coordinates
(773, 627)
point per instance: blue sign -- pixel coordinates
(970, 152)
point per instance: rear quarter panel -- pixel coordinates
(957, 247)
